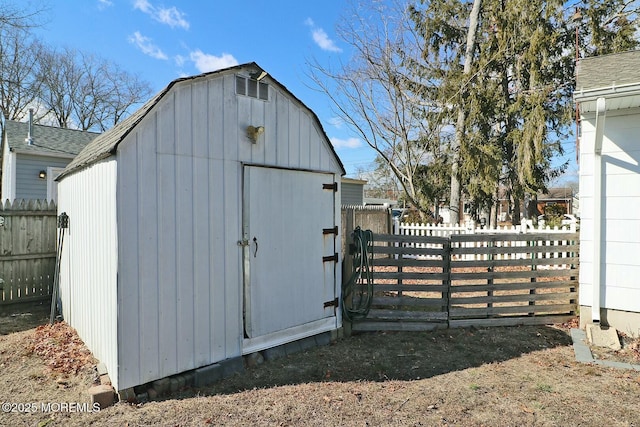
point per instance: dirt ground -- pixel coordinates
(511, 376)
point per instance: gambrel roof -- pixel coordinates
(107, 143)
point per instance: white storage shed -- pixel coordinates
(608, 94)
(202, 228)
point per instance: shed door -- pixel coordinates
(288, 274)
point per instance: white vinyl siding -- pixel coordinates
(88, 271)
(619, 262)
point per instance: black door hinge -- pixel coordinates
(332, 303)
(333, 258)
(333, 186)
(333, 230)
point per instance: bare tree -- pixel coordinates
(86, 92)
(125, 91)
(378, 97)
(20, 17)
(61, 78)
(19, 85)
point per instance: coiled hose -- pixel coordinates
(357, 292)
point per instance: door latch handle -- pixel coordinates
(255, 240)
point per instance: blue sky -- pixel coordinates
(161, 40)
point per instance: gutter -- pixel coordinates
(613, 91)
(601, 111)
(43, 153)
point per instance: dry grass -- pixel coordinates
(520, 376)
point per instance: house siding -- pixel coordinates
(352, 194)
(621, 211)
(27, 167)
(179, 198)
(88, 269)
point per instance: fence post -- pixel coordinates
(446, 268)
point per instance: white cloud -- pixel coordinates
(346, 143)
(336, 122)
(103, 4)
(146, 46)
(180, 60)
(143, 5)
(205, 62)
(321, 38)
(170, 16)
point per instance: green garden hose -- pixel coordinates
(357, 292)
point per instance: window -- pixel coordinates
(252, 88)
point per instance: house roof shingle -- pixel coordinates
(46, 140)
(608, 70)
(106, 144)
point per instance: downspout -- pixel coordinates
(601, 112)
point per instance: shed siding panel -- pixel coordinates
(184, 242)
(306, 128)
(620, 265)
(202, 275)
(294, 136)
(199, 119)
(88, 271)
(232, 220)
(216, 120)
(282, 130)
(231, 123)
(217, 262)
(271, 130)
(129, 285)
(183, 120)
(147, 200)
(167, 252)
(245, 118)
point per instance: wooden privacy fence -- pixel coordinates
(27, 251)
(426, 282)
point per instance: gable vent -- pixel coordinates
(252, 88)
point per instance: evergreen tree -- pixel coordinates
(516, 100)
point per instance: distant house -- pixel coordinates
(608, 95)
(33, 155)
(352, 191)
(562, 196)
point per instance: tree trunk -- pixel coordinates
(454, 201)
(516, 211)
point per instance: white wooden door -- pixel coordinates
(288, 274)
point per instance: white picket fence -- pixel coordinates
(446, 230)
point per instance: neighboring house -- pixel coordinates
(352, 191)
(33, 155)
(561, 196)
(202, 228)
(608, 95)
